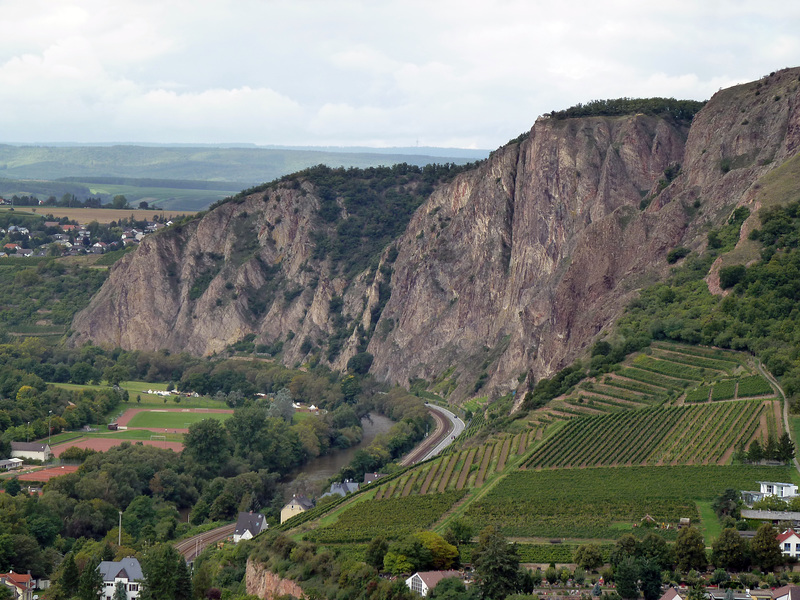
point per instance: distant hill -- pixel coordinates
(167, 175)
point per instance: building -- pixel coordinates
(248, 526)
(770, 488)
(297, 505)
(789, 542)
(21, 585)
(787, 592)
(424, 581)
(775, 517)
(372, 477)
(31, 450)
(10, 463)
(348, 486)
(128, 571)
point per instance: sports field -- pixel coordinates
(163, 419)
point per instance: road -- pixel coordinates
(448, 428)
(191, 547)
(775, 383)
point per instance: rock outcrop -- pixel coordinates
(265, 584)
(514, 267)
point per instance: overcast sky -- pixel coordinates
(460, 73)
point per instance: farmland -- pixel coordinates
(604, 503)
(691, 434)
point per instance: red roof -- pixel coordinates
(786, 535)
(432, 578)
(19, 580)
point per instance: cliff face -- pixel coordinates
(513, 267)
(265, 584)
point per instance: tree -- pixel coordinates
(208, 444)
(496, 564)
(785, 448)
(626, 576)
(119, 592)
(729, 550)
(162, 569)
(755, 452)
(376, 551)
(70, 578)
(143, 205)
(13, 486)
(690, 550)
(765, 549)
(589, 556)
(91, 581)
(459, 532)
(626, 547)
(654, 547)
(650, 579)
(443, 555)
(727, 504)
(119, 202)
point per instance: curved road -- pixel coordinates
(448, 428)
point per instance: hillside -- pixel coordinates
(505, 272)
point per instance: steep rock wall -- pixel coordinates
(514, 267)
(266, 584)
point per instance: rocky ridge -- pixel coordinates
(511, 269)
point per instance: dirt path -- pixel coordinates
(775, 383)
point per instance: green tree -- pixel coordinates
(626, 576)
(208, 445)
(161, 568)
(785, 448)
(459, 532)
(690, 550)
(443, 555)
(119, 592)
(376, 551)
(626, 547)
(496, 564)
(13, 486)
(589, 556)
(765, 549)
(119, 202)
(654, 547)
(729, 550)
(90, 585)
(727, 504)
(183, 581)
(70, 577)
(650, 579)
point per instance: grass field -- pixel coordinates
(173, 420)
(101, 215)
(139, 388)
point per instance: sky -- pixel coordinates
(453, 73)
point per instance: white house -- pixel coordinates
(31, 450)
(248, 526)
(424, 581)
(128, 571)
(787, 592)
(348, 486)
(770, 488)
(10, 464)
(789, 542)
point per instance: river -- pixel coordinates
(318, 470)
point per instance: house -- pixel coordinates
(770, 488)
(348, 486)
(787, 592)
(11, 464)
(21, 585)
(31, 450)
(722, 593)
(248, 526)
(789, 542)
(297, 505)
(372, 477)
(424, 581)
(12, 247)
(671, 594)
(773, 516)
(128, 571)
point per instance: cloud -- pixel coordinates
(359, 71)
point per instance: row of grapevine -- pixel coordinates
(660, 435)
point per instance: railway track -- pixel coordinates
(440, 432)
(191, 547)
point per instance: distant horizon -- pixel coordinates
(240, 145)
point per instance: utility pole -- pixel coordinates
(119, 538)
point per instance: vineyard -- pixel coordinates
(665, 435)
(605, 503)
(665, 373)
(391, 519)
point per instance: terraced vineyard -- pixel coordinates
(667, 373)
(666, 435)
(606, 503)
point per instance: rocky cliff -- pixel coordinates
(266, 584)
(511, 268)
